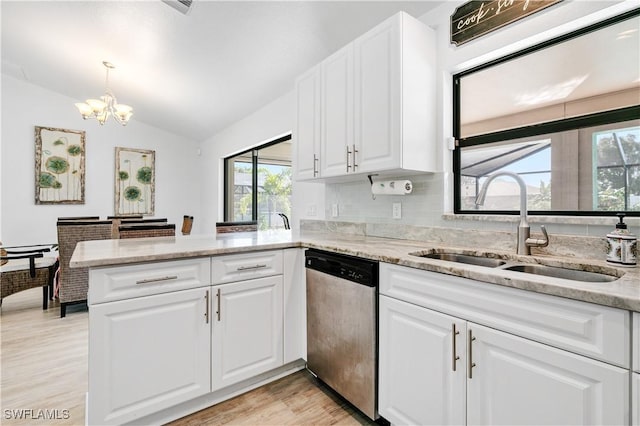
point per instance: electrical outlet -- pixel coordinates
(334, 210)
(397, 210)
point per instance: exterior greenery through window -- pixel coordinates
(258, 184)
(618, 170)
(577, 154)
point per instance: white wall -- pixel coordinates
(433, 195)
(270, 122)
(25, 106)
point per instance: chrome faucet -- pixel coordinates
(524, 231)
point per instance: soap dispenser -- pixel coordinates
(622, 245)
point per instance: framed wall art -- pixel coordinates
(59, 166)
(135, 182)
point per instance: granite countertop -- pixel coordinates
(622, 293)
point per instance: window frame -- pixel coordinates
(572, 123)
(254, 175)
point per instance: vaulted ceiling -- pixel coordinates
(191, 74)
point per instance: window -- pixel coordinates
(591, 169)
(563, 115)
(617, 169)
(530, 160)
(258, 184)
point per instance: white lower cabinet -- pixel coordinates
(417, 383)
(146, 354)
(635, 379)
(436, 368)
(164, 336)
(247, 330)
(636, 342)
(635, 399)
(517, 381)
(294, 305)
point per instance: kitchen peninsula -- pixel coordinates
(227, 313)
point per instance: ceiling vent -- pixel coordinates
(182, 6)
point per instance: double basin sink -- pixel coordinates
(528, 268)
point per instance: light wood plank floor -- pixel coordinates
(43, 366)
(298, 399)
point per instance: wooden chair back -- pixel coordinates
(227, 227)
(143, 230)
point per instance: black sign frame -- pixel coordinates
(479, 17)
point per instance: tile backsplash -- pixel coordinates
(424, 206)
(423, 219)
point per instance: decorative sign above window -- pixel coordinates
(479, 17)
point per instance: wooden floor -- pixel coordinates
(43, 366)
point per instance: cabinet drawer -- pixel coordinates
(636, 341)
(126, 282)
(246, 266)
(596, 331)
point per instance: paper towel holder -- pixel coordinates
(373, 196)
(391, 187)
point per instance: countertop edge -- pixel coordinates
(626, 294)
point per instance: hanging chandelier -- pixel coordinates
(106, 106)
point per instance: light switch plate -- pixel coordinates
(397, 210)
(334, 210)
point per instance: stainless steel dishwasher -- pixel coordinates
(342, 326)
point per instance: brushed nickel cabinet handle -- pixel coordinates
(471, 364)
(355, 151)
(249, 268)
(454, 352)
(157, 280)
(348, 154)
(315, 165)
(206, 312)
(218, 305)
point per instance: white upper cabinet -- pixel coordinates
(337, 137)
(307, 133)
(377, 110)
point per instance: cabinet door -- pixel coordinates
(417, 381)
(295, 305)
(247, 330)
(635, 342)
(377, 65)
(517, 381)
(635, 399)
(307, 133)
(337, 113)
(147, 354)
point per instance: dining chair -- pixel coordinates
(74, 282)
(26, 267)
(227, 227)
(143, 230)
